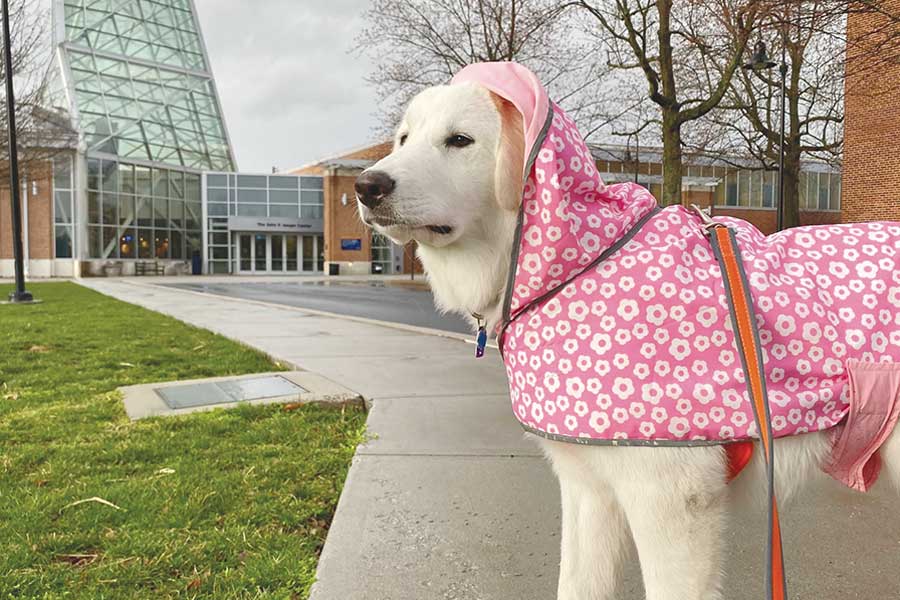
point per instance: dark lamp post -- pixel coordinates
(19, 295)
(760, 62)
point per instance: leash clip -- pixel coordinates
(708, 224)
(481, 338)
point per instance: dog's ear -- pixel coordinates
(508, 173)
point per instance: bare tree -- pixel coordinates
(813, 36)
(686, 54)
(419, 43)
(40, 130)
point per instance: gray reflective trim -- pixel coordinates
(550, 293)
(514, 259)
(646, 443)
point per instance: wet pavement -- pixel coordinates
(367, 299)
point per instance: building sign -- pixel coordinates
(351, 244)
(275, 224)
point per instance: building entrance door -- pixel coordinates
(279, 253)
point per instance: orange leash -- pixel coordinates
(725, 247)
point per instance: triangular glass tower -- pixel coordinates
(135, 80)
(139, 82)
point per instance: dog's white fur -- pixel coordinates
(674, 501)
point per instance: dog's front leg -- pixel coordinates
(675, 501)
(593, 542)
(594, 533)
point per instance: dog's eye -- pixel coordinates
(458, 141)
(403, 138)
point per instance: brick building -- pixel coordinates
(872, 117)
(746, 193)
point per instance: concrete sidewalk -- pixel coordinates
(449, 501)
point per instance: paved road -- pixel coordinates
(372, 300)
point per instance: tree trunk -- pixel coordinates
(672, 167)
(791, 187)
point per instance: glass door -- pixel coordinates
(277, 253)
(245, 250)
(291, 248)
(309, 253)
(260, 252)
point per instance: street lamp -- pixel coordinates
(760, 62)
(19, 295)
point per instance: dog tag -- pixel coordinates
(480, 342)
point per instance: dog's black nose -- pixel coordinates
(372, 186)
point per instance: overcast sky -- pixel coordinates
(291, 90)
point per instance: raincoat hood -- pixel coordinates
(569, 216)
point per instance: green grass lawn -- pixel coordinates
(225, 504)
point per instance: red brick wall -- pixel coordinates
(765, 220)
(40, 220)
(871, 168)
(343, 221)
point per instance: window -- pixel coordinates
(835, 201)
(138, 212)
(63, 208)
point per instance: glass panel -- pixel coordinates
(95, 241)
(176, 213)
(309, 256)
(277, 252)
(252, 181)
(282, 197)
(110, 243)
(218, 239)
(835, 203)
(311, 183)
(743, 188)
(176, 244)
(214, 195)
(769, 187)
(308, 197)
(756, 181)
(804, 190)
(144, 243)
(176, 184)
(142, 180)
(291, 253)
(62, 212)
(259, 252)
(126, 178)
(254, 196)
(283, 183)
(127, 243)
(283, 210)
(191, 186)
(126, 210)
(219, 253)
(110, 169)
(216, 180)
(160, 182)
(192, 243)
(320, 249)
(62, 173)
(94, 207)
(63, 241)
(310, 212)
(93, 174)
(161, 240)
(251, 210)
(217, 210)
(192, 215)
(160, 213)
(245, 252)
(823, 191)
(731, 194)
(145, 212)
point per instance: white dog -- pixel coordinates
(453, 183)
